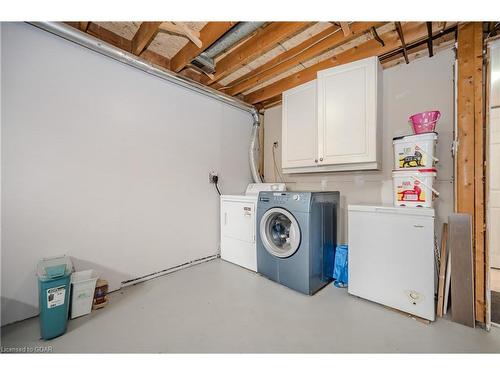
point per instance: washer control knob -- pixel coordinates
(296, 197)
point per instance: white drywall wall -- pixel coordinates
(107, 164)
(424, 84)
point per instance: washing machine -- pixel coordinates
(296, 238)
(238, 225)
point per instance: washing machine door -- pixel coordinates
(280, 232)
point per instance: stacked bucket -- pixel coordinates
(415, 162)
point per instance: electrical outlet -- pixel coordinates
(213, 177)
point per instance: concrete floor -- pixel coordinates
(220, 307)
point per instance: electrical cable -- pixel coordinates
(276, 169)
(217, 188)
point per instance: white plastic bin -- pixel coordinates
(415, 151)
(82, 292)
(413, 188)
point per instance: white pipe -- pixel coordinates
(76, 36)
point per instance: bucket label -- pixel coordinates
(411, 157)
(410, 191)
(55, 296)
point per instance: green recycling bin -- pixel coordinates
(54, 295)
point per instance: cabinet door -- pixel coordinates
(299, 127)
(347, 113)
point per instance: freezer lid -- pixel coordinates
(415, 211)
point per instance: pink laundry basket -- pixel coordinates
(424, 122)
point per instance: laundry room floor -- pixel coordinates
(219, 307)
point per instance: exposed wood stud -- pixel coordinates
(208, 35)
(470, 154)
(479, 188)
(402, 39)
(144, 36)
(465, 103)
(312, 47)
(429, 38)
(375, 36)
(345, 28)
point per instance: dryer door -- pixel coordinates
(280, 232)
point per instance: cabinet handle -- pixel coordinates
(320, 159)
(315, 160)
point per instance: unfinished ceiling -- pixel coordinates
(257, 66)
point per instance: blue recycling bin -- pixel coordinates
(340, 268)
(54, 276)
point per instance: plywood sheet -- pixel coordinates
(168, 45)
(462, 273)
(443, 261)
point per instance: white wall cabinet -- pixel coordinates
(345, 131)
(299, 136)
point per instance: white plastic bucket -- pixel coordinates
(82, 292)
(413, 188)
(415, 151)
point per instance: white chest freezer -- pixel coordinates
(238, 223)
(391, 257)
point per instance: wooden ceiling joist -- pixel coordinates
(345, 28)
(83, 26)
(109, 37)
(156, 58)
(310, 48)
(144, 36)
(263, 40)
(208, 35)
(271, 102)
(414, 31)
(388, 47)
(401, 36)
(125, 44)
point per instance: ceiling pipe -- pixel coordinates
(239, 32)
(85, 40)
